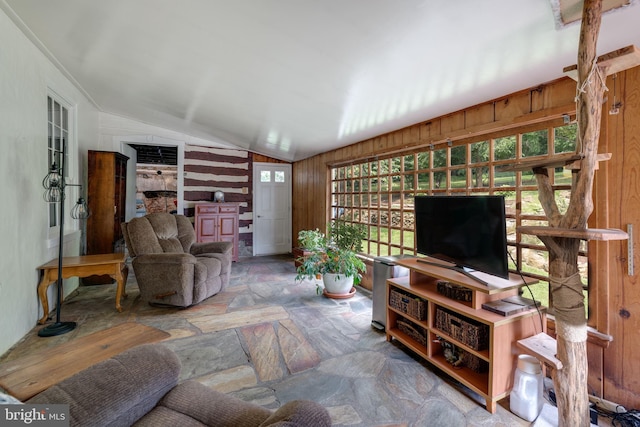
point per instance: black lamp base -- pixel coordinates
(58, 328)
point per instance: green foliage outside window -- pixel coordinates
(379, 194)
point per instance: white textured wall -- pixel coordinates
(25, 76)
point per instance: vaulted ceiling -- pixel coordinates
(293, 78)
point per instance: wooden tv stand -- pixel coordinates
(495, 379)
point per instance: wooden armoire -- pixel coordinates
(106, 196)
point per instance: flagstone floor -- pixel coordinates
(269, 339)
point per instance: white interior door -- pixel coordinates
(271, 208)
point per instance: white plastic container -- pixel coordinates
(525, 399)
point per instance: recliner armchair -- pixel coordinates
(170, 266)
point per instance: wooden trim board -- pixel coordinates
(615, 62)
(602, 234)
(25, 377)
(543, 347)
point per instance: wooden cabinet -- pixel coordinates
(106, 197)
(218, 222)
(486, 341)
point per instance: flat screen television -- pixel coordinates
(468, 231)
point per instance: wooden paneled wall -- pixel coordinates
(311, 178)
(614, 369)
(617, 203)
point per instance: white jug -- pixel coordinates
(526, 396)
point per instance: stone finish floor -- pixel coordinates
(269, 339)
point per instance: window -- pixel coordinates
(380, 193)
(278, 176)
(59, 140)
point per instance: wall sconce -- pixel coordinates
(54, 184)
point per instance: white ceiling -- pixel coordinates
(293, 78)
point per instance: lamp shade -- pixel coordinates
(52, 195)
(52, 184)
(80, 210)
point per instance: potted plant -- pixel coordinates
(335, 258)
(310, 240)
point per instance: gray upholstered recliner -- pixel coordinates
(170, 266)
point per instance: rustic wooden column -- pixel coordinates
(566, 286)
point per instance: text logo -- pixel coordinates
(34, 415)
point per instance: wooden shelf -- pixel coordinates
(427, 270)
(616, 61)
(408, 341)
(474, 380)
(481, 315)
(422, 323)
(542, 347)
(599, 158)
(557, 161)
(482, 354)
(567, 160)
(503, 331)
(602, 234)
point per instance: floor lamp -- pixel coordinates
(54, 184)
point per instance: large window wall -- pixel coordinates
(379, 193)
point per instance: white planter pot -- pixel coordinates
(337, 283)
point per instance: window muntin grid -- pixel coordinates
(386, 191)
(58, 129)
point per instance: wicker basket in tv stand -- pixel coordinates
(498, 359)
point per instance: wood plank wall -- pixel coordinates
(311, 179)
(619, 191)
(614, 369)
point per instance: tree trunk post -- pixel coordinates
(566, 286)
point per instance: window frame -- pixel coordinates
(54, 152)
(433, 170)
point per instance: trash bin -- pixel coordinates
(384, 268)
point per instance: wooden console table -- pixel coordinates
(83, 266)
(27, 376)
(486, 369)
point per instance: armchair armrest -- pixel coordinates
(117, 391)
(211, 247)
(165, 258)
